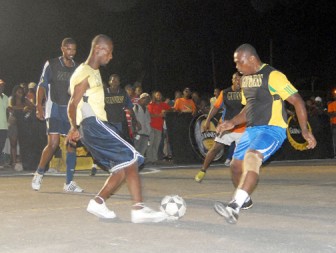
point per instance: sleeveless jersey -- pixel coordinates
(263, 94)
(59, 81)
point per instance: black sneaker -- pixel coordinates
(229, 212)
(247, 205)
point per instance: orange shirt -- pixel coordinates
(332, 109)
(185, 105)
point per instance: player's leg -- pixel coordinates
(47, 153)
(210, 156)
(263, 142)
(97, 205)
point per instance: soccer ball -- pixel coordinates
(174, 206)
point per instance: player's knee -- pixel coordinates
(252, 162)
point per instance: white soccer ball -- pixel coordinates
(174, 206)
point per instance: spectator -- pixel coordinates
(143, 117)
(31, 95)
(213, 99)
(20, 109)
(185, 104)
(116, 101)
(137, 92)
(3, 117)
(332, 115)
(157, 109)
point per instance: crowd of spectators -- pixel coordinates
(140, 118)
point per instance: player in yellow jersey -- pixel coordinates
(264, 90)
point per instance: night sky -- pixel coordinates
(171, 44)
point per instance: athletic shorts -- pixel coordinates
(264, 139)
(228, 137)
(58, 123)
(106, 146)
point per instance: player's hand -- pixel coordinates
(39, 112)
(309, 137)
(222, 127)
(73, 136)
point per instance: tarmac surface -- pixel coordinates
(294, 211)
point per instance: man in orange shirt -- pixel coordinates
(332, 115)
(185, 103)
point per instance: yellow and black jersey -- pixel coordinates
(263, 94)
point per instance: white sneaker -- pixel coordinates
(147, 215)
(37, 181)
(72, 187)
(227, 162)
(100, 210)
(18, 167)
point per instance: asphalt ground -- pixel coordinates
(294, 211)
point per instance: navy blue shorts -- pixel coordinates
(264, 139)
(106, 146)
(58, 123)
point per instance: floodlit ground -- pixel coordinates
(294, 211)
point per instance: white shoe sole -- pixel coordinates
(221, 210)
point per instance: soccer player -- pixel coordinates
(264, 90)
(86, 108)
(54, 86)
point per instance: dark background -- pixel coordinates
(171, 44)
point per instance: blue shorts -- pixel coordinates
(264, 139)
(106, 146)
(58, 122)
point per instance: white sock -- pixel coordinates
(240, 197)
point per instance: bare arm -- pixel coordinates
(212, 113)
(75, 98)
(40, 95)
(301, 114)
(229, 124)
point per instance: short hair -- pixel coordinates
(248, 49)
(115, 76)
(68, 41)
(101, 38)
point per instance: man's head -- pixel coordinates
(138, 90)
(69, 48)
(102, 49)
(129, 89)
(187, 93)
(236, 81)
(216, 92)
(246, 59)
(157, 96)
(144, 99)
(114, 81)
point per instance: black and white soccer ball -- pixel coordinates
(174, 206)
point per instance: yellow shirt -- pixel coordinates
(95, 93)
